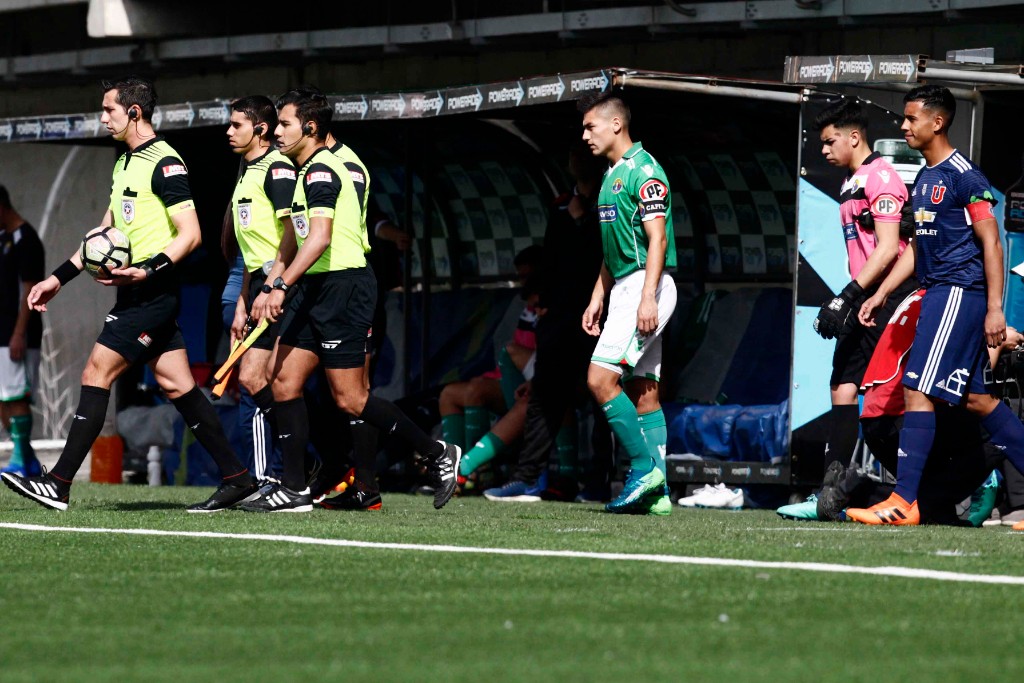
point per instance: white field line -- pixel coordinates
(899, 572)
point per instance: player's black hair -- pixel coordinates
(258, 109)
(133, 91)
(846, 113)
(606, 99)
(935, 98)
(310, 106)
(5, 198)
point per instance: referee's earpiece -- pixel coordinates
(259, 130)
(133, 114)
(307, 129)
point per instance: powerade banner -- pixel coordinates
(369, 107)
(851, 69)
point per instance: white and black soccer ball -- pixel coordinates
(104, 249)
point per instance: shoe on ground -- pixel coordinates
(1012, 518)
(279, 498)
(1019, 526)
(638, 487)
(442, 473)
(690, 501)
(723, 498)
(45, 489)
(806, 511)
(594, 494)
(325, 483)
(994, 519)
(31, 467)
(519, 491)
(983, 500)
(892, 511)
(659, 505)
(561, 488)
(353, 498)
(227, 496)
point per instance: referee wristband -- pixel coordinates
(157, 265)
(66, 272)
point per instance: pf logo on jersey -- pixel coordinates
(886, 205)
(653, 189)
(301, 226)
(653, 196)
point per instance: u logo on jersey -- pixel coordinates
(938, 192)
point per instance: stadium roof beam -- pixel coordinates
(23, 5)
(147, 19)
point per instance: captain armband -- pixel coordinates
(980, 210)
(158, 265)
(66, 272)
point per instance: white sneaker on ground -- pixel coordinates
(690, 501)
(721, 498)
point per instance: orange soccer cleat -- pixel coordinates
(894, 510)
(1019, 526)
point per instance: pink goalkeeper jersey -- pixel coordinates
(876, 186)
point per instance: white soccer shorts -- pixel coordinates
(620, 346)
(17, 378)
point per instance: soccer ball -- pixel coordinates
(104, 249)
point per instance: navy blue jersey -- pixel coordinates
(948, 253)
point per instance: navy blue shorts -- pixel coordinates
(949, 358)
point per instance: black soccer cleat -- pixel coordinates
(226, 496)
(45, 489)
(325, 482)
(279, 498)
(354, 499)
(441, 473)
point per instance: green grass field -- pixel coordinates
(116, 607)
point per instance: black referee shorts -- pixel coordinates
(266, 340)
(143, 323)
(331, 315)
(854, 349)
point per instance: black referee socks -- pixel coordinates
(292, 424)
(844, 424)
(387, 417)
(201, 417)
(85, 427)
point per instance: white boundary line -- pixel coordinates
(898, 572)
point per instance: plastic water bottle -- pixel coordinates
(1013, 222)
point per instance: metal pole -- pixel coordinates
(710, 88)
(426, 263)
(938, 73)
(977, 116)
(410, 226)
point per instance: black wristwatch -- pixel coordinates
(266, 288)
(279, 284)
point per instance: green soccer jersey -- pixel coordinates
(150, 185)
(262, 198)
(325, 190)
(360, 182)
(634, 190)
